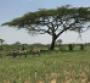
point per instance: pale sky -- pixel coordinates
(10, 9)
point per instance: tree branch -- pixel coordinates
(65, 29)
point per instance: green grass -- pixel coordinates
(62, 66)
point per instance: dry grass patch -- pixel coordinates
(40, 81)
(53, 81)
(27, 81)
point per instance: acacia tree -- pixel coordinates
(54, 21)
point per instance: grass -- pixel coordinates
(53, 67)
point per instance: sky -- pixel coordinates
(10, 9)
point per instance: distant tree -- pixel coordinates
(59, 42)
(24, 46)
(71, 47)
(17, 43)
(54, 21)
(1, 43)
(82, 47)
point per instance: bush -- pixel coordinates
(81, 47)
(71, 47)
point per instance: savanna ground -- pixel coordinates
(51, 67)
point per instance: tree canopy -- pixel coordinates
(54, 21)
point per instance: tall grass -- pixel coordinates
(52, 67)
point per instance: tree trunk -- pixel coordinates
(52, 46)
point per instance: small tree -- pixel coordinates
(71, 47)
(59, 42)
(54, 21)
(17, 45)
(1, 43)
(82, 47)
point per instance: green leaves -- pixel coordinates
(56, 20)
(32, 17)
